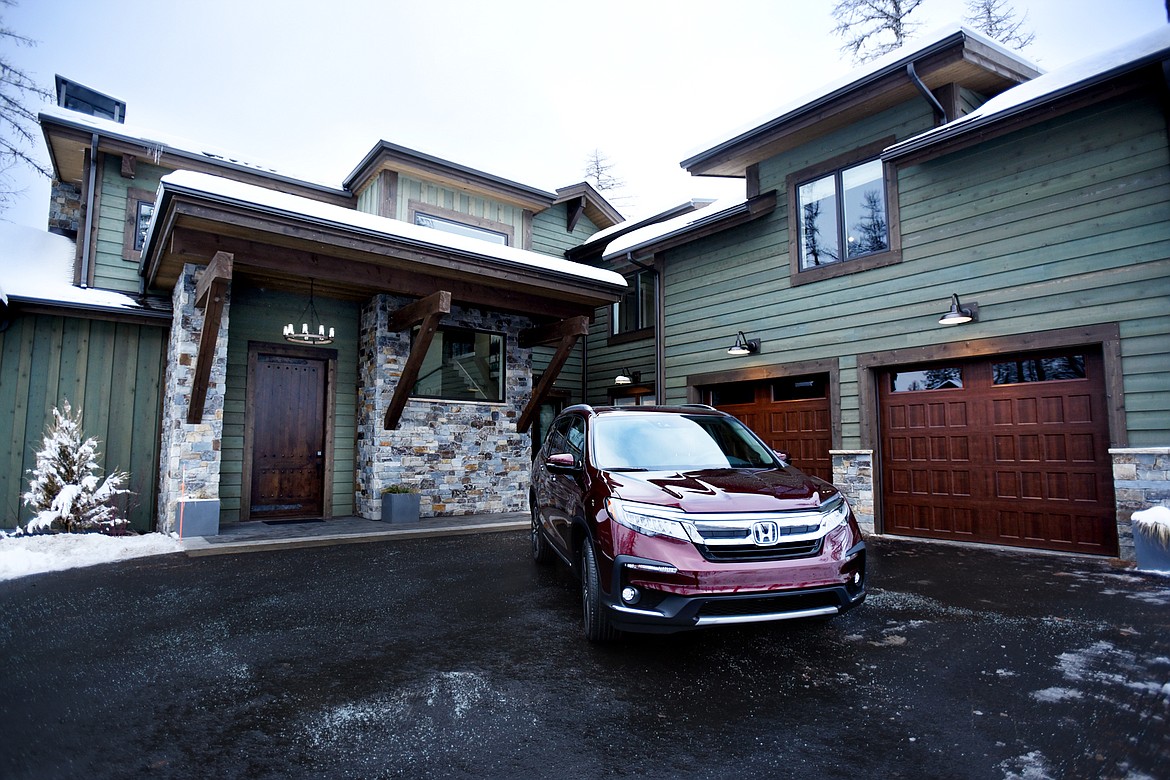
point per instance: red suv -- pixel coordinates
(678, 518)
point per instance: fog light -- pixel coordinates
(630, 594)
(856, 578)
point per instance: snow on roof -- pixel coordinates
(163, 142)
(37, 266)
(1096, 67)
(909, 51)
(653, 233)
(339, 216)
(688, 207)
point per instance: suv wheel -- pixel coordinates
(597, 625)
(541, 553)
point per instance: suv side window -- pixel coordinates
(567, 436)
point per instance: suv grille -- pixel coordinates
(750, 552)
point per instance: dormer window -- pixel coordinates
(843, 216)
(460, 228)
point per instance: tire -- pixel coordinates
(541, 552)
(597, 625)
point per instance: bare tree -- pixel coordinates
(870, 28)
(997, 19)
(599, 172)
(17, 121)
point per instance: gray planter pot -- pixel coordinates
(1151, 554)
(400, 507)
(197, 517)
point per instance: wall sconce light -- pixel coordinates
(627, 377)
(959, 314)
(743, 345)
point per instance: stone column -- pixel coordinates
(1141, 479)
(853, 474)
(189, 459)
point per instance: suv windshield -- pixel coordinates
(676, 442)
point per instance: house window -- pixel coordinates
(941, 378)
(637, 309)
(1046, 369)
(463, 365)
(842, 216)
(139, 209)
(460, 228)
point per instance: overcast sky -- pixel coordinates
(523, 89)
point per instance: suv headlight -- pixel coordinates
(834, 512)
(646, 519)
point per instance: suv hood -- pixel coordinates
(722, 490)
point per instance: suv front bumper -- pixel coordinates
(670, 612)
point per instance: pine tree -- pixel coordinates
(64, 491)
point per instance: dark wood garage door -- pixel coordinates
(1011, 451)
(790, 414)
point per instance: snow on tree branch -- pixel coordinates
(63, 490)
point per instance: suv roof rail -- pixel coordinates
(699, 406)
(582, 407)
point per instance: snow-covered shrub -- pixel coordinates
(63, 490)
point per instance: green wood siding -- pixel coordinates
(1063, 224)
(411, 189)
(549, 233)
(111, 372)
(110, 270)
(259, 315)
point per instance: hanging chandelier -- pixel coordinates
(312, 330)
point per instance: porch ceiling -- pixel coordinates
(284, 250)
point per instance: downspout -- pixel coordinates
(90, 224)
(940, 113)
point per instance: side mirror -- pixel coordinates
(562, 461)
(784, 457)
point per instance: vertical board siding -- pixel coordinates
(259, 315)
(46, 360)
(110, 270)
(426, 192)
(1063, 224)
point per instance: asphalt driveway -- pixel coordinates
(458, 658)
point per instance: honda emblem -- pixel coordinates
(765, 533)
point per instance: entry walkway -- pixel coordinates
(257, 535)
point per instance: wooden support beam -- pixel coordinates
(547, 334)
(565, 333)
(575, 209)
(210, 294)
(425, 313)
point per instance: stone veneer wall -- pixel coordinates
(853, 474)
(65, 208)
(190, 454)
(463, 457)
(1141, 479)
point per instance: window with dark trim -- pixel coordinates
(938, 378)
(459, 228)
(638, 309)
(463, 365)
(843, 216)
(139, 209)
(1038, 369)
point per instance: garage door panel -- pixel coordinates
(1021, 463)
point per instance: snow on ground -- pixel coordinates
(24, 555)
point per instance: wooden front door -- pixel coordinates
(1012, 450)
(288, 421)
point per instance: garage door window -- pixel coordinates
(942, 378)
(1046, 369)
